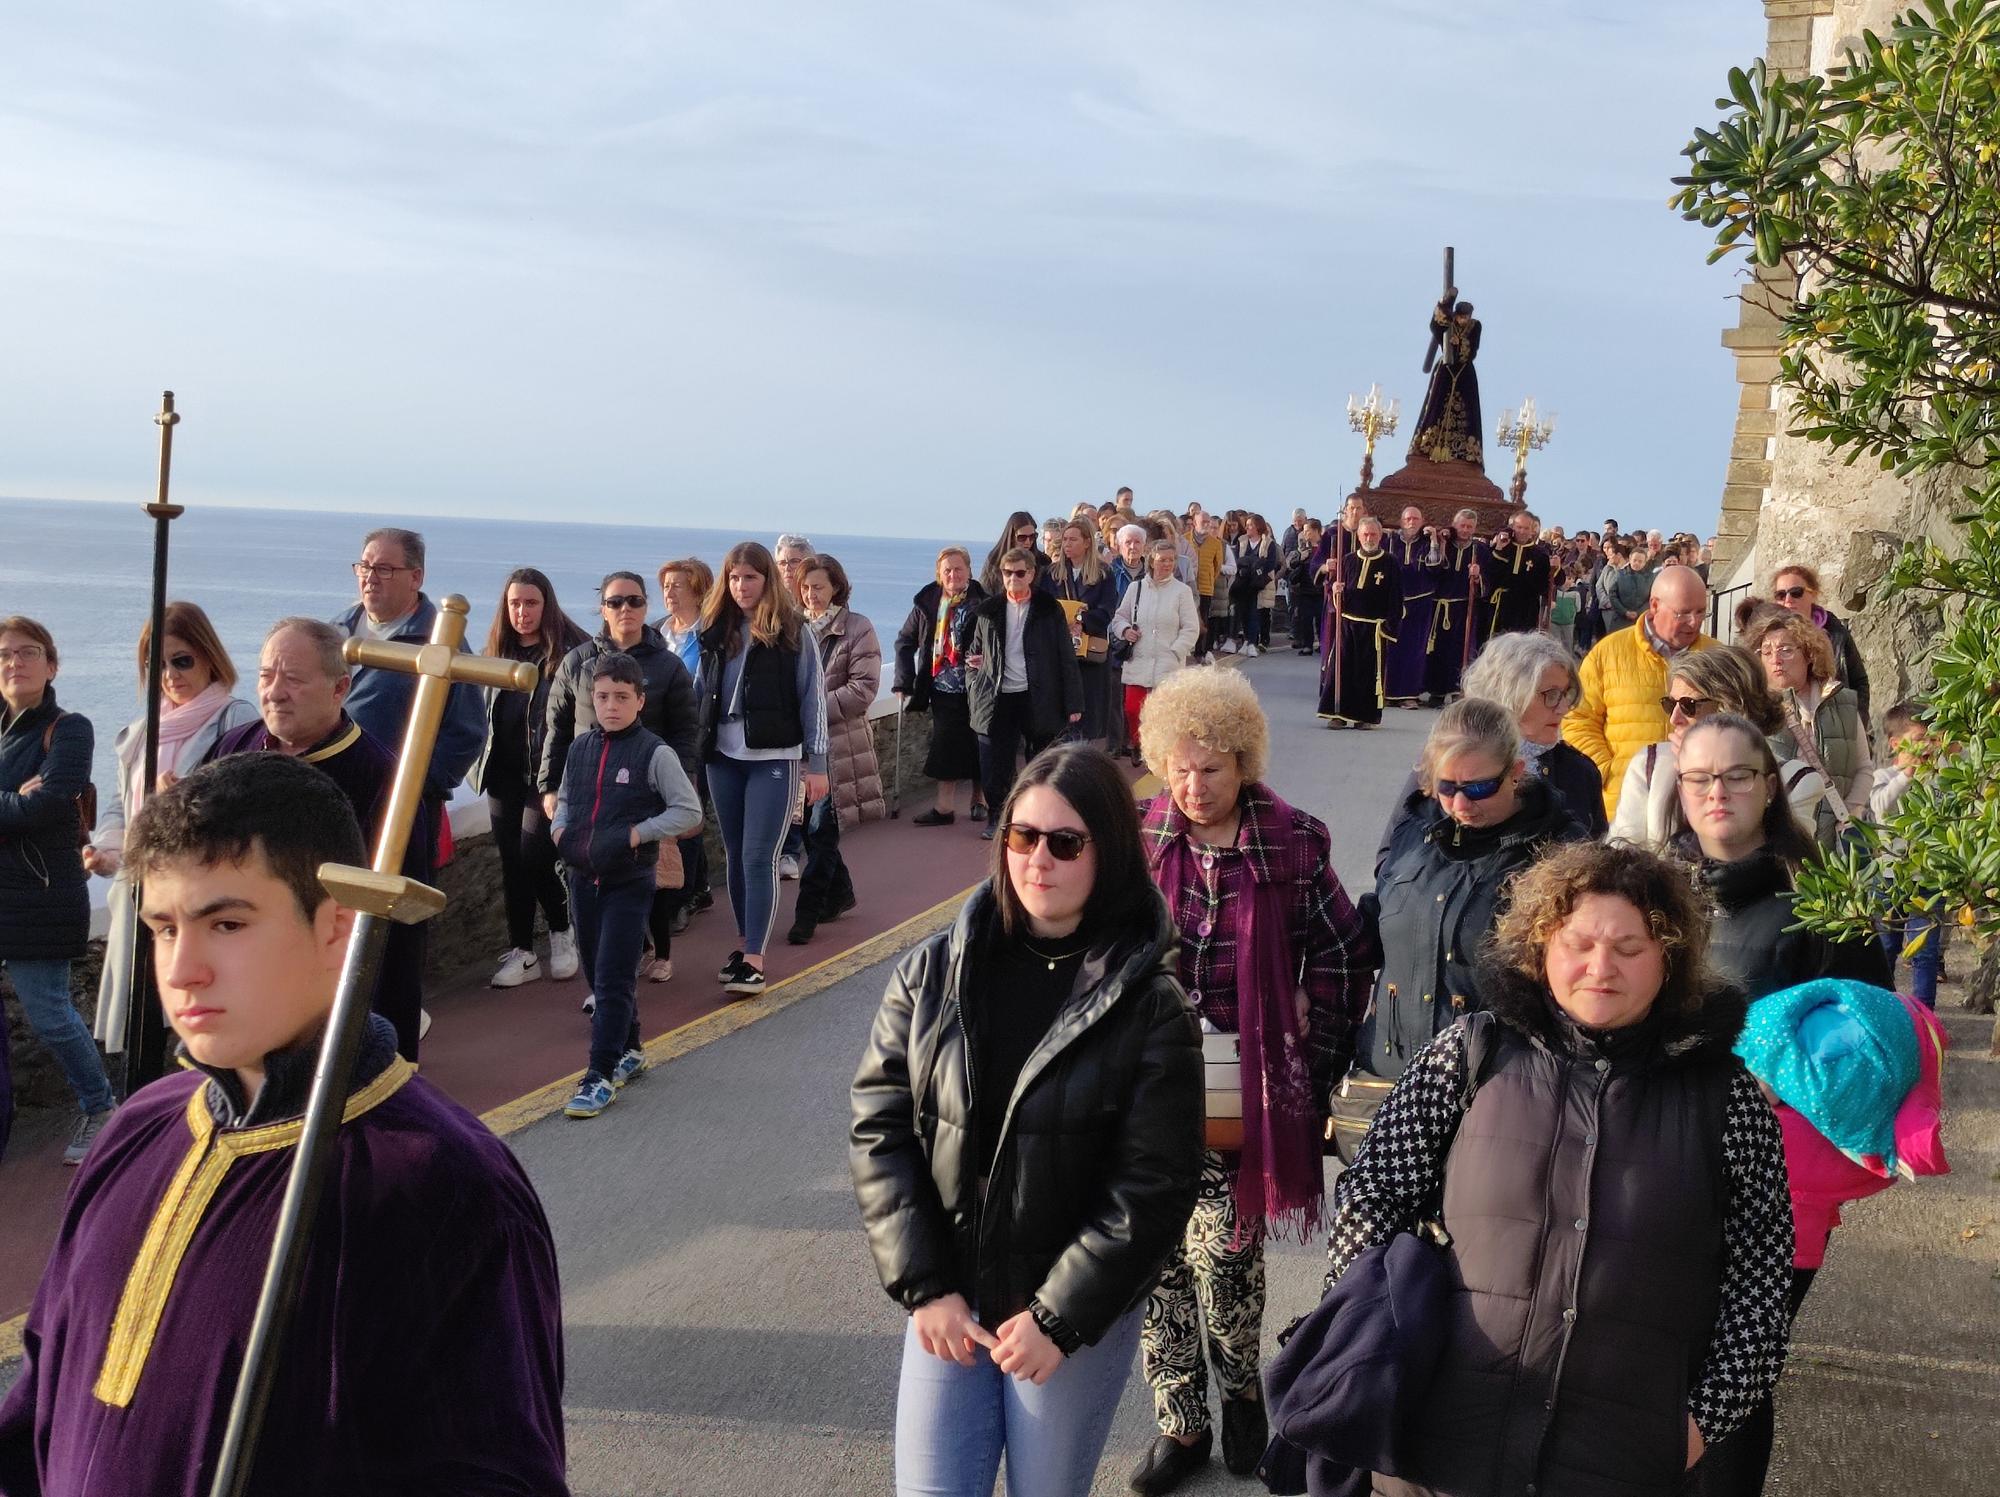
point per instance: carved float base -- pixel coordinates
(1440, 490)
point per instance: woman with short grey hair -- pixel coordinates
(1534, 677)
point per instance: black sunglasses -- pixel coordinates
(1471, 789)
(626, 600)
(181, 662)
(1793, 593)
(1064, 846)
(1689, 707)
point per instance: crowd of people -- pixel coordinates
(1085, 1107)
(1580, 934)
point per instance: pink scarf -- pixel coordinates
(178, 726)
(1280, 1180)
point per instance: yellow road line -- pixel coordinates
(512, 1117)
(10, 1338)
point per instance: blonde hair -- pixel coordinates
(1802, 632)
(937, 570)
(1218, 709)
(1470, 725)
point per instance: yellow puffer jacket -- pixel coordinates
(1622, 679)
(1208, 563)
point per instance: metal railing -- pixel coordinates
(1722, 613)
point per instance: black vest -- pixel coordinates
(770, 698)
(1585, 1196)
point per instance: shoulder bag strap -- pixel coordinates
(1802, 740)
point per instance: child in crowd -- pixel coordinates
(1905, 736)
(623, 792)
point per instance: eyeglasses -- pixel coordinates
(626, 600)
(378, 569)
(1065, 846)
(1687, 615)
(24, 655)
(1784, 594)
(182, 662)
(1014, 572)
(1688, 707)
(1471, 789)
(1025, 537)
(1735, 780)
(1779, 652)
(1559, 696)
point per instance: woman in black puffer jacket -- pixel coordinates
(44, 893)
(1027, 1142)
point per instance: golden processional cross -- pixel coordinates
(379, 895)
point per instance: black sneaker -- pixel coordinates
(731, 967)
(934, 817)
(803, 926)
(979, 810)
(681, 918)
(704, 899)
(747, 983)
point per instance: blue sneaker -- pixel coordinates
(631, 1066)
(591, 1098)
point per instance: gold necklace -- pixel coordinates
(1052, 960)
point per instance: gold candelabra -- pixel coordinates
(1372, 418)
(1526, 432)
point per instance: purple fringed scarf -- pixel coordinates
(1280, 1181)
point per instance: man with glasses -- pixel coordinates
(1021, 682)
(393, 607)
(1626, 673)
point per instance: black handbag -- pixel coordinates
(1121, 648)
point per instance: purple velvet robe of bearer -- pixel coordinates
(426, 1356)
(1403, 662)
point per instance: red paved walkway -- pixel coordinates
(488, 1046)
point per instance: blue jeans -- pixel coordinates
(953, 1422)
(753, 805)
(610, 934)
(1924, 962)
(43, 988)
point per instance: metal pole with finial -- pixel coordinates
(145, 1026)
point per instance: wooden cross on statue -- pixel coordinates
(379, 895)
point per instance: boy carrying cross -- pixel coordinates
(426, 1355)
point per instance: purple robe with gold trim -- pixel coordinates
(1403, 663)
(426, 1356)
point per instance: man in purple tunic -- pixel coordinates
(1414, 552)
(426, 1356)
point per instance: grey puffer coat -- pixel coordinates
(851, 664)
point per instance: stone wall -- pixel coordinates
(469, 937)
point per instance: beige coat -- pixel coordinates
(852, 657)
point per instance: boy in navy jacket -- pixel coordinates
(623, 792)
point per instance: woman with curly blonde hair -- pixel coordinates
(1611, 1184)
(1823, 715)
(1270, 952)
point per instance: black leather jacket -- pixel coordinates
(1094, 1176)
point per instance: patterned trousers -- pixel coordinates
(1207, 1280)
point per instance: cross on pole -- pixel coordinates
(379, 894)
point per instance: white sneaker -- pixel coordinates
(1251, 652)
(1227, 647)
(562, 955)
(516, 967)
(788, 866)
(590, 1003)
(423, 1022)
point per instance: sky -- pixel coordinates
(860, 266)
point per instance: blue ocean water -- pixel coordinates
(86, 571)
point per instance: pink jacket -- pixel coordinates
(1823, 1178)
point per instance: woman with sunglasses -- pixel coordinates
(44, 893)
(1021, 529)
(668, 711)
(529, 625)
(1021, 683)
(1079, 580)
(1727, 678)
(762, 700)
(1795, 588)
(1027, 1140)
(1272, 952)
(1477, 817)
(1823, 723)
(1734, 828)
(197, 706)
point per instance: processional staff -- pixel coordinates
(379, 895)
(145, 1024)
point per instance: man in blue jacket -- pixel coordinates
(393, 607)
